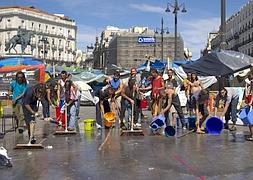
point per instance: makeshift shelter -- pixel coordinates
(86, 90)
(219, 63)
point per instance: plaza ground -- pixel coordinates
(225, 156)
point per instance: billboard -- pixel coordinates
(146, 40)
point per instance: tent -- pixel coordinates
(86, 90)
(219, 63)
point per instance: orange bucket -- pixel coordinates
(109, 119)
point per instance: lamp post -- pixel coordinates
(176, 8)
(162, 32)
(223, 25)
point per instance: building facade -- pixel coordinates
(54, 35)
(239, 31)
(126, 51)
(208, 47)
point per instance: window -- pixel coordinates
(9, 20)
(22, 21)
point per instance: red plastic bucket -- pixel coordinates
(144, 104)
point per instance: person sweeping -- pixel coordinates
(30, 108)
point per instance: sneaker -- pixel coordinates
(233, 128)
(20, 131)
(98, 126)
(71, 129)
(33, 141)
(225, 126)
(60, 123)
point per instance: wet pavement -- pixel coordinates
(225, 156)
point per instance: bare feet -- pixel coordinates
(199, 131)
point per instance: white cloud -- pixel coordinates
(147, 8)
(86, 35)
(195, 33)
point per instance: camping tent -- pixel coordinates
(219, 63)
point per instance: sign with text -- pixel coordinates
(146, 40)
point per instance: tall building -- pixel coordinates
(127, 50)
(208, 47)
(54, 34)
(239, 31)
(101, 52)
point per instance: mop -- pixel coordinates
(64, 132)
(132, 131)
(31, 145)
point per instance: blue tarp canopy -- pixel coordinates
(178, 63)
(158, 64)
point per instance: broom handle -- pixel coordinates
(132, 118)
(66, 117)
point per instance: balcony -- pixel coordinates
(60, 47)
(54, 47)
(69, 49)
(70, 37)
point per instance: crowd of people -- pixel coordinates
(63, 95)
(165, 100)
(119, 97)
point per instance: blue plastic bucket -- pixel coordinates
(191, 122)
(157, 122)
(214, 125)
(169, 131)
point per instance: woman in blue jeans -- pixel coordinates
(71, 103)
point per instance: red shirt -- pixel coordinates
(157, 83)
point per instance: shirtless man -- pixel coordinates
(172, 99)
(195, 88)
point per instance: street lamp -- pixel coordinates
(176, 8)
(162, 32)
(223, 25)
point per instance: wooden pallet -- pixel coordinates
(136, 132)
(29, 146)
(65, 132)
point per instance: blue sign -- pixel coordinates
(146, 40)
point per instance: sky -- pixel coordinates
(92, 16)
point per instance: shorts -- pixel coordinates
(29, 117)
(203, 110)
(172, 109)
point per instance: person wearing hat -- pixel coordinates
(116, 84)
